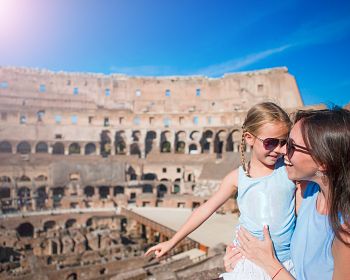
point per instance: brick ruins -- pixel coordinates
(78, 148)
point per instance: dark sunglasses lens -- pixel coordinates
(283, 142)
(290, 149)
(270, 143)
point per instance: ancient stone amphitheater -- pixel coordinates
(81, 152)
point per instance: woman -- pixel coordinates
(317, 151)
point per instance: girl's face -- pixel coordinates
(262, 142)
(299, 163)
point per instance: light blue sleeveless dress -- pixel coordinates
(311, 246)
(268, 200)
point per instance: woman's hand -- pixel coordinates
(261, 252)
(231, 258)
(160, 249)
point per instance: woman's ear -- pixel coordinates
(249, 138)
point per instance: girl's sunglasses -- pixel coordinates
(271, 143)
(291, 147)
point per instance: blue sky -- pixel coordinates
(184, 37)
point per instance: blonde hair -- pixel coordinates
(257, 116)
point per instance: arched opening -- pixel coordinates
(72, 276)
(150, 136)
(180, 147)
(57, 195)
(5, 179)
(90, 149)
(161, 190)
(166, 147)
(41, 148)
(89, 191)
(58, 149)
(105, 143)
(118, 190)
(147, 188)
(24, 196)
(23, 148)
(41, 197)
(135, 150)
(70, 223)
(103, 191)
(5, 193)
(24, 178)
(49, 225)
(74, 149)
(149, 177)
(219, 142)
(193, 149)
(5, 147)
(89, 222)
(206, 140)
(25, 230)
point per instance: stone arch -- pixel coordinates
(74, 149)
(219, 141)
(150, 137)
(103, 191)
(120, 142)
(49, 225)
(89, 222)
(23, 148)
(5, 147)
(70, 223)
(206, 140)
(58, 149)
(161, 190)
(230, 141)
(165, 144)
(136, 135)
(135, 149)
(192, 149)
(41, 197)
(57, 194)
(5, 179)
(72, 276)
(5, 192)
(23, 178)
(41, 178)
(195, 135)
(180, 142)
(90, 149)
(147, 188)
(25, 230)
(118, 190)
(89, 191)
(105, 143)
(41, 148)
(149, 176)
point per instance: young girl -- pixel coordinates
(265, 194)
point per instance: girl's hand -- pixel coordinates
(160, 249)
(258, 251)
(231, 258)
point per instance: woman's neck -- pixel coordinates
(322, 204)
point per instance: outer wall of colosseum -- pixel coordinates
(75, 148)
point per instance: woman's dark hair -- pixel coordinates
(327, 134)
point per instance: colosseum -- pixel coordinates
(96, 168)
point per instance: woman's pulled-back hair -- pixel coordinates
(327, 134)
(257, 116)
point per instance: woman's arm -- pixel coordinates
(227, 188)
(262, 253)
(341, 255)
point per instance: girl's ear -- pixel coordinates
(249, 138)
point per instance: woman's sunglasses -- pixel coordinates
(271, 143)
(291, 147)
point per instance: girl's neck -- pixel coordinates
(258, 169)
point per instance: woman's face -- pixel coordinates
(300, 166)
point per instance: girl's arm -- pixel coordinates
(227, 188)
(341, 255)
